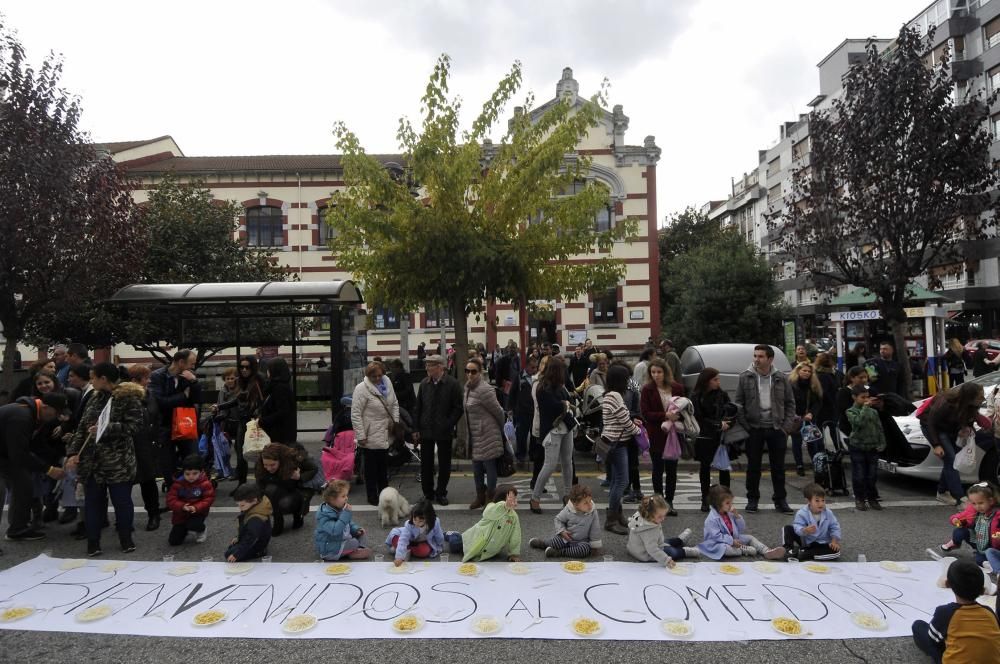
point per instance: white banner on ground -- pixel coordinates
(538, 601)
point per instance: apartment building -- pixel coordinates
(970, 31)
(284, 198)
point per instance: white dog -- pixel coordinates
(392, 507)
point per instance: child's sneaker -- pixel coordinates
(948, 546)
(692, 552)
(748, 550)
(777, 553)
(202, 535)
(946, 499)
(536, 543)
(551, 552)
(685, 536)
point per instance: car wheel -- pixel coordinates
(989, 468)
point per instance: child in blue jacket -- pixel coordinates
(724, 531)
(336, 535)
(420, 537)
(815, 532)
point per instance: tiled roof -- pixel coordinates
(267, 163)
(121, 146)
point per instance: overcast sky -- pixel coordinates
(710, 79)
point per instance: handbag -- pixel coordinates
(721, 459)
(642, 440)
(569, 420)
(254, 441)
(184, 424)
(505, 462)
(397, 430)
(967, 460)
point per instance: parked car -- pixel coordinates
(919, 461)
(992, 347)
(730, 359)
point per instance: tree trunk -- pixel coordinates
(897, 322)
(461, 323)
(9, 380)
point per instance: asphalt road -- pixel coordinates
(911, 523)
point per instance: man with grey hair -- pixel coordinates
(76, 354)
(435, 415)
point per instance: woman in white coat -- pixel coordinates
(374, 412)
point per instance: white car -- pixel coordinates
(920, 462)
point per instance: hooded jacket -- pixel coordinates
(484, 421)
(409, 534)
(748, 389)
(582, 526)
(499, 529)
(254, 531)
(372, 414)
(200, 494)
(645, 540)
(110, 460)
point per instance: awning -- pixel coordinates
(860, 296)
(262, 292)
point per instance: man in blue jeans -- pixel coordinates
(767, 408)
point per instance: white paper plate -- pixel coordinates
(94, 613)
(298, 624)
(730, 569)
(893, 566)
(337, 569)
(402, 569)
(236, 569)
(766, 567)
(419, 626)
(73, 563)
(216, 621)
(572, 627)
(183, 570)
(486, 625)
(682, 629)
(114, 566)
(574, 571)
(682, 569)
(519, 568)
(470, 569)
(817, 568)
(869, 621)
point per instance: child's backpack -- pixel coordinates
(828, 469)
(338, 456)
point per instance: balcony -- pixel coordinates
(963, 70)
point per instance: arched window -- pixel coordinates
(264, 227)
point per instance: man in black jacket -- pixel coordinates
(18, 423)
(436, 414)
(174, 386)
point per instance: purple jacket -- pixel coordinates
(409, 533)
(717, 536)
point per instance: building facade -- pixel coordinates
(970, 31)
(284, 198)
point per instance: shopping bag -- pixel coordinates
(721, 459)
(220, 445)
(672, 448)
(642, 440)
(203, 445)
(254, 441)
(509, 433)
(967, 461)
(184, 424)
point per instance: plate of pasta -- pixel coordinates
(299, 623)
(208, 618)
(72, 563)
(731, 569)
(182, 570)
(893, 566)
(574, 566)
(817, 568)
(408, 624)
(338, 569)
(519, 568)
(869, 621)
(681, 569)
(677, 628)
(586, 627)
(237, 569)
(402, 569)
(486, 625)
(94, 613)
(468, 569)
(788, 626)
(114, 566)
(766, 567)
(15, 613)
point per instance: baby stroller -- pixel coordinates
(338, 454)
(405, 451)
(588, 412)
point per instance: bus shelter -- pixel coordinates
(304, 322)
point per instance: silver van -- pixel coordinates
(730, 359)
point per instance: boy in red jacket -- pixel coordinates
(189, 499)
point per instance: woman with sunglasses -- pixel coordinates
(484, 420)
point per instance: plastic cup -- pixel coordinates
(609, 558)
(265, 559)
(445, 556)
(862, 558)
(380, 557)
(47, 553)
(168, 558)
(206, 559)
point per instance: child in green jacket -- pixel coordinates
(498, 530)
(866, 441)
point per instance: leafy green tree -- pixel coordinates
(900, 177)
(469, 221)
(685, 231)
(722, 291)
(68, 231)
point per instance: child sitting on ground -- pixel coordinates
(964, 630)
(724, 536)
(336, 535)
(190, 497)
(497, 532)
(578, 527)
(815, 531)
(979, 525)
(420, 537)
(645, 535)
(254, 525)
(866, 441)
